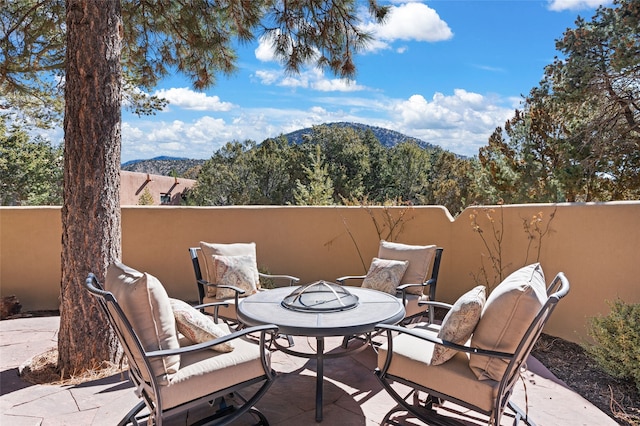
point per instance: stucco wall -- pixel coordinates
(595, 245)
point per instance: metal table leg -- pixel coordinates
(319, 376)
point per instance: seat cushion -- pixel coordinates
(146, 305)
(507, 314)
(412, 361)
(232, 249)
(385, 274)
(238, 271)
(419, 258)
(204, 372)
(198, 327)
(459, 323)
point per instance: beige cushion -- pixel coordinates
(419, 258)
(204, 372)
(198, 327)
(385, 274)
(412, 361)
(233, 249)
(238, 271)
(146, 305)
(509, 311)
(459, 323)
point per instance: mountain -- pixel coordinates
(387, 138)
(163, 165)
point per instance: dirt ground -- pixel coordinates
(569, 362)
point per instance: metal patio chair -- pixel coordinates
(482, 372)
(422, 260)
(207, 289)
(172, 376)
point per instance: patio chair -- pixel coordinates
(240, 276)
(473, 359)
(200, 372)
(403, 269)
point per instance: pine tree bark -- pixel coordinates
(91, 224)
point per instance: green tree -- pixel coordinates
(318, 191)
(577, 137)
(145, 199)
(30, 169)
(412, 171)
(95, 48)
(347, 158)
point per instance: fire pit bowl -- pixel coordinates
(320, 296)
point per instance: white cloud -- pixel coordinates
(560, 5)
(188, 99)
(461, 122)
(310, 79)
(409, 22)
(264, 52)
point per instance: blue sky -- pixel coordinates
(447, 72)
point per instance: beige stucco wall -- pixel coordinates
(596, 245)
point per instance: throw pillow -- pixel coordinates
(198, 327)
(217, 249)
(238, 271)
(459, 323)
(146, 305)
(385, 274)
(419, 258)
(505, 318)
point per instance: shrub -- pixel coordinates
(616, 336)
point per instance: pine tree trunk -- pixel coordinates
(91, 228)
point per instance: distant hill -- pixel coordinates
(387, 138)
(166, 165)
(163, 166)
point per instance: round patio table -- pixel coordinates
(373, 307)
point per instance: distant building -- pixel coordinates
(163, 190)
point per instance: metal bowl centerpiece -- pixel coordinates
(320, 296)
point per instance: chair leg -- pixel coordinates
(520, 415)
(130, 417)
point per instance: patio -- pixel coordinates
(353, 395)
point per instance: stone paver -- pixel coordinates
(352, 394)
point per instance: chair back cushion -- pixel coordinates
(146, 305)
(419, 258)
(459, 323)
(233, 249)
(507, 314)
(385, 274)
(198, 327)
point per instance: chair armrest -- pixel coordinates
(341, 280)
(292, 280)
(435, 304)
(238, 290)
(271, 328)
(207, 305)
(390, 329)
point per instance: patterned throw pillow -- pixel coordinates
(419, 258)
(238, 271)
(459, 323)
(385, 274)
(218, 249)
(197, 327)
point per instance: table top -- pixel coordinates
(374, 307)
